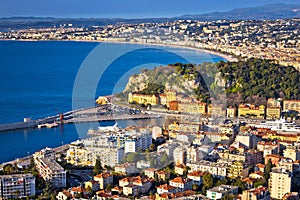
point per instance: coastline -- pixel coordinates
(217, 53)
(57, 149)
(120, 42)
(220, 54)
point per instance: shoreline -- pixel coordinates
(227, 57)
(57, 149)
(220, 54)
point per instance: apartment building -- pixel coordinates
(280, 182)
(181, 184)
(49, 169)
(216, 169)
(138, 140)
(79, 156)
(17, 186)
(179, 155)
(293, 105)
(259, 193)
(292, 152)
(104, 148)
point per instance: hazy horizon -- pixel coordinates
(123, 9)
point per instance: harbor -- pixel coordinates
(94, 114)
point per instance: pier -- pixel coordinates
(94, 114)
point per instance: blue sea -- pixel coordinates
(37, 80)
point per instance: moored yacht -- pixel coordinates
(104, 129)
(279, 125)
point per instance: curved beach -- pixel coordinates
(217, 53)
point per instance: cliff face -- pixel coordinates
(136, 83)
(163, 76)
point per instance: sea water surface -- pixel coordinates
(37, 80)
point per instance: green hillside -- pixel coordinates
(251, 81)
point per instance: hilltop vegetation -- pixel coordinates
(251, 81)
(261, 78)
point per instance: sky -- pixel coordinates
(123, 8)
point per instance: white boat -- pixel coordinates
(48, 125)
(279, 125)
(102, 129)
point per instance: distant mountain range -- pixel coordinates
(271, 12)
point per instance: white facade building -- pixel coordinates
(280, 182)
(49, 169)
(17, 186)
(105, 149)
(138, 140)
(179, 155)
(219, 191)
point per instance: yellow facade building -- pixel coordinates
(173, 127)
(170, 96)
(215, 110)
(251, 111)
(79, 156)
(273, 112)
(238, 169)
(143, 99)
(291, 105)
(193, 107)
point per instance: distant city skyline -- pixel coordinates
(124, 9)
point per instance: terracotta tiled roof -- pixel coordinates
(67, 193)
(197, 173)
(259, 165)
(166, 187)
(179, 180)
(180, 166)
(78, 189)
(103, 175)
(151, 169)
(162, 172)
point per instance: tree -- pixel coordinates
(98, 167)
(208, 180)
(132, 157)
(222, 182)
(238, 182)
(53, 196)
(9, 169)
(164, 161)
(195, 187)
(259, 183)
(228, 197)
(268, 169)
(108, 187)
(185, 172)
(32, 164)
(152, 147)
(89, 190)
(204, 189)
(17, 192)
